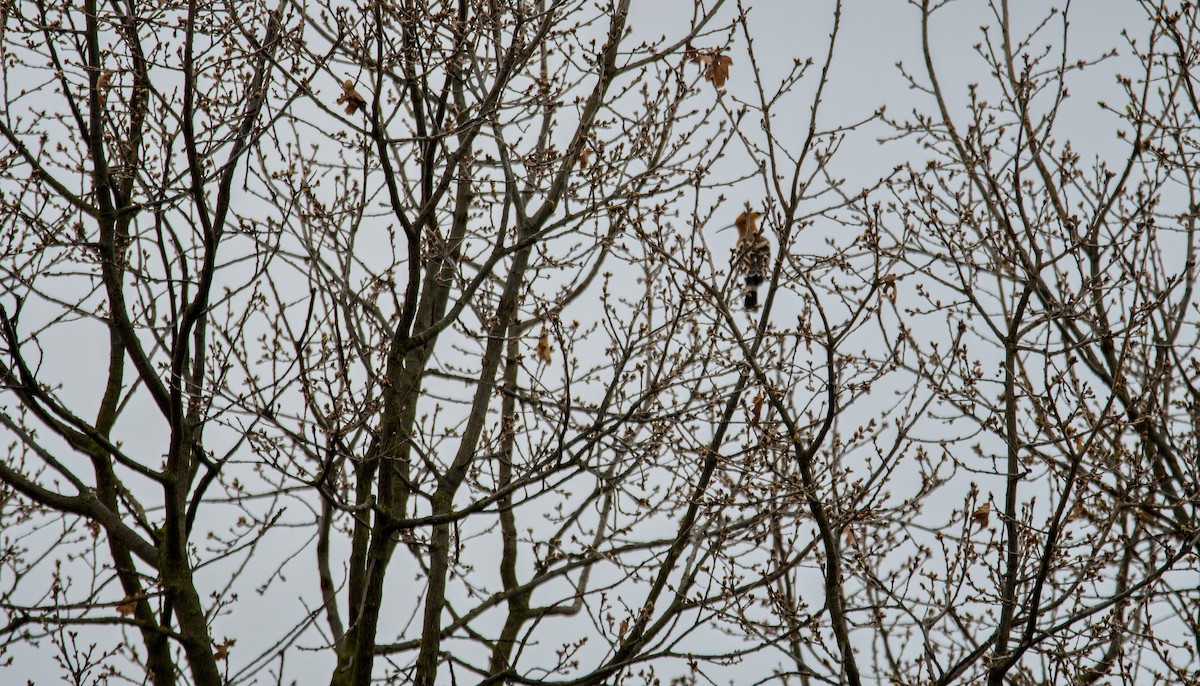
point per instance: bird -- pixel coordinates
(751, 255)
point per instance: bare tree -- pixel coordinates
(423, 363)
(1067, 277)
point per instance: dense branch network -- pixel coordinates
(398, 342)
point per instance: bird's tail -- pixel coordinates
(752, 294)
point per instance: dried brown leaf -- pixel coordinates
(543, 348)
(981, 514)
(887, 286)
(718, 69)
(713, 61)
(1076, 512)
(127, 606)
(104, 83)
(351, 98)
(221, 650)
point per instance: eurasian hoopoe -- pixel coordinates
(752, 254)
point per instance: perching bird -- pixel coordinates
(752, 254)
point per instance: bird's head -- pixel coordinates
(747, 224)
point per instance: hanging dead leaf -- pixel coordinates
(713, 61)
(221, 650)
(718, 69)
(1076, 512)
(756, 416)
(351, 98)
(543, 348)
(848, 535)
(103, 83)
(887, 286)
(583, 157)
(127, 606)
(981, 514)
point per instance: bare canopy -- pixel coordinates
(395, 342)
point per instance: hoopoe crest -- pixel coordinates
(751, 255)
